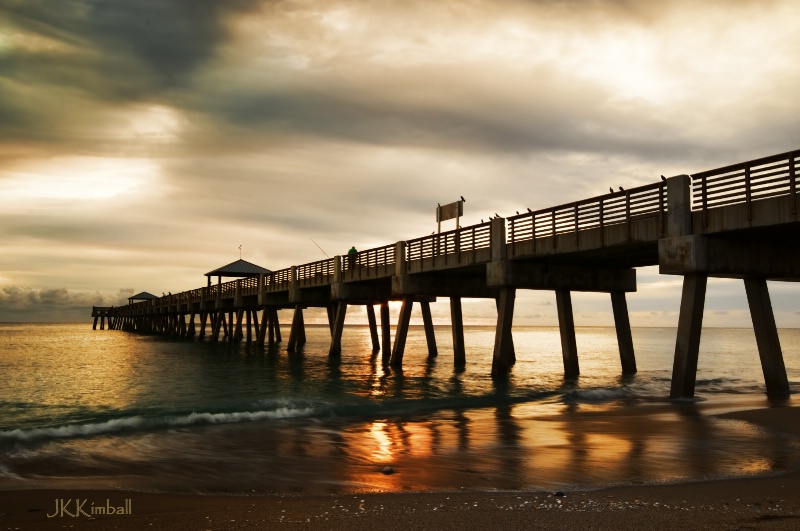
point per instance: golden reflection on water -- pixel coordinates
(382, 448)
(499, 448)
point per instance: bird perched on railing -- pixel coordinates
(610, 189)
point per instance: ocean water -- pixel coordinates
(111, 409)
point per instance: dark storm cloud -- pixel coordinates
(80, 54)
(169, 38)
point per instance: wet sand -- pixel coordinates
(771, 502)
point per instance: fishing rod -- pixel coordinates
(318, 247)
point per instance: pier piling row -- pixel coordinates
(739, 221)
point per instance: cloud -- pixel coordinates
(23, 303)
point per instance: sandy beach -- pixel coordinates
(761, 502)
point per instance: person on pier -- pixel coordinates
(351, 257)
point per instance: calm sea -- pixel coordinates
(110, 409)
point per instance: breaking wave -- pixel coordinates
(139, 423)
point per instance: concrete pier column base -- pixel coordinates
(503, 358)
(769, 346)
(459, 352)
(203, 323)
(296, 331)
(430, 336)
(566, 325)
(191, 331)
(262, 327)
(401, 333)
(238, 334)
(256, 328)
(687, 345)
(278, 337)
(510, 338)
(373, 328)
(623, 325)
(386, 334)
(331, 310)
(272, 326)
(338, 328)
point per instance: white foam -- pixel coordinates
(596, 395)
(140, 423)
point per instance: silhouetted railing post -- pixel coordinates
(337, 269)
(602, 223)
(400, 264)
(498, 239)
(704, 196)
(793, 182)
(748, 193)
(575, 217)
(679, 206)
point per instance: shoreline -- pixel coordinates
(760, 502)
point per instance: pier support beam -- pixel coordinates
(510, 338)
(274, 327)
(430, 336)
(566, 325)
(262, 328)
(249, 325)
(238, 335)
(386, 333)
(459, 353)
(256, 329)
(623, 325)
(331, 310)
(690, 324)
(373, 328)
(203, 322)
(297, 331)
(191, 331)
(769, 346)
(338, 328)
(503, 357)
(401, 332)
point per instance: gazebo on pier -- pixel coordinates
(238, 269)
(143, 296)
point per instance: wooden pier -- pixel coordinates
(739, 221)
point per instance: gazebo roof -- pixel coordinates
(143, 296)
(239, 268)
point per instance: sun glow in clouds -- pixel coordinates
(75, 178)
(152, 123)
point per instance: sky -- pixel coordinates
(143, 141)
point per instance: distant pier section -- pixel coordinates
(738, 221)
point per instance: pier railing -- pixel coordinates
(316, 273)
(447, 247)
(378, 262)
(623, 207)
(278, 280)
(746, 182)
